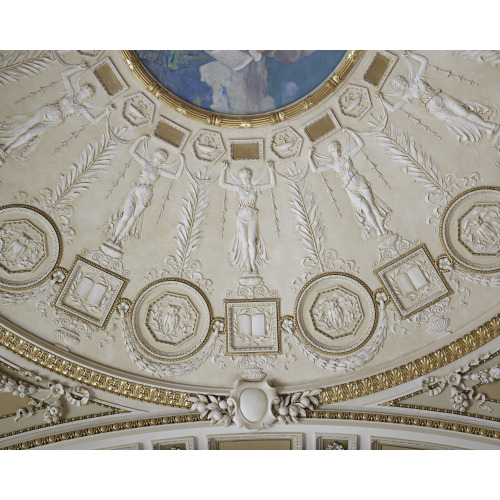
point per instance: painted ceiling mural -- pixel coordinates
(240, 81)
(249, 238)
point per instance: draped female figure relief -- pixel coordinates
(370, 211)
(248, 249)
(467, 121)
(20, 135)
(126, 221)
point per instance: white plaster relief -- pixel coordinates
(463, 396)
(466, 121)
(138, 110)
(311, 230)
(248, 249)
(42, 394)
(17, 65)
(22, 246)
(286, 143)
(354, 101)
(370, 211)
(90, 292)
(194, 210)
(481, 56)
(78, 179)
(126, 222)
(352, 361)
(20, 135)
(412, 281)
(252, 327)
(208, 146)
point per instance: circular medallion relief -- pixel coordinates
(29, 246)
(171, 319)
(335, 313)
(470, 229)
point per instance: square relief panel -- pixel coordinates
(336, 442)
(186, 443)
(413, 282)
(90, 292)
(252, 326)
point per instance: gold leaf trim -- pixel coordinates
(189, 418)
(410, 371)
(98, 380)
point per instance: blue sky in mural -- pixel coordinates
(240, 81)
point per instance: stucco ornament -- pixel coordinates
(42, 394)
(289, 407)
(253, 404)
(461, 396)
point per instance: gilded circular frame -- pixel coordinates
(57, 259)
(242, 121)
(141, 294)
(317, 348)
(442, 227)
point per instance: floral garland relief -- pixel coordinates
(43, 395)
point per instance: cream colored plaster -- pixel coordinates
(89, 208)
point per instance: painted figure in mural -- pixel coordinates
(20, 135)
(126, 222)
(248, 249)
(370, 211)
(467, 121)
(240, 81)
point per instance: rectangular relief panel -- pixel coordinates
(262, 441)
(379, 68)
(245, 150)
(322, 127)
(170, 132)
(109, 78)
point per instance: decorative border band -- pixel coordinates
(329, 415)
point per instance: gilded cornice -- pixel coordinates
(333, 394)
(417, 368)
(352, 416)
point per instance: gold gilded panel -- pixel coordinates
(109, 79)
(245, 151)
(377, 68)
(170, 134)
(320, 128)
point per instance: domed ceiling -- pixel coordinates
(248, 225)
